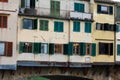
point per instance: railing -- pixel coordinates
(46, 12)
(80, 15)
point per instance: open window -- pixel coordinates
(76, 49)
(58, 48)
(27, 3)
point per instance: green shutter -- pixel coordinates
(70, 48)
(111, 10)
(65, 49)
(22, 3)
(82, 49)
(35, 24)
(98, 8)
(117, 27)
(36, 48)
(79, 7)
(55, 26)
(51, 48)
(87, 27)
(76, 26)
(118, 49)
(93, 49)
(55, 8)
(61, 27)
(44, 25)
(21, 47)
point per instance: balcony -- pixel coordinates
(80, 15)
(46, 12)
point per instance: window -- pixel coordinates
(118, 49)
(27, 47)
(76, 26)
(88, 48)
(76, 48)
(105, 26)
(3, 0)
(117, 27)
(106, 48)
(58, 48)
(27, 3)
(44, 48)
(118, 12)
(30, 24)
(58, 26)
(88, 27)
(6, 48)
(44, 25)
(3, 21)
(55, 8)
(79, 7)
(105, 9)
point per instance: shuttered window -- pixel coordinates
(117, 27)
(55, 8)
(58, 26)
(93, 49)
(44, 25)
(36, 48)
(105, 9)
(51, 48)
(6, 48)
(118, 49)
(88, 27)
(44, 48)
(3, 21)
(30, 24)
(118, 12)
(79, 7)
(76, 48)
(76, 26)
(3, 0)
(58, 48)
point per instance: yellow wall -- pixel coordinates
(102, 36)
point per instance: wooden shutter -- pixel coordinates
(51, 48)
(46, 25)
(111, 49)
(98, 8)
(76, 26)
(4, 0)
(93, 49)
(22, 3)
(8, 49)
(65, 49)
(56, 26)
(118, 49)
(82, 49)
(61, 28)
(35, 24)
(37, 48)
(0, 21)
(21, 47)
(70, 48)
(87, 27)
(76, 7)
(81, 7)
(4, 21)
(111, 10)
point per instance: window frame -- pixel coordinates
(88, 45)
(58, 26)
(44, 25)
(28, 47)
(44, 47)
(76, 46)
(3, 21)
(2, 54)
(61, 47)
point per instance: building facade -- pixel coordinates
(8, 33)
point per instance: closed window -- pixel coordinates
(58, 26)
(27, 3)
(3, 21)
(55, 8)
(44, 25)
(78, 7)
(3, 0)
(105, 9)
(58, 48)
(44, 48)
(76, 26)
(106, 48)
(76, 48)
(88, 27)
(30, 24)
(6, 48)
